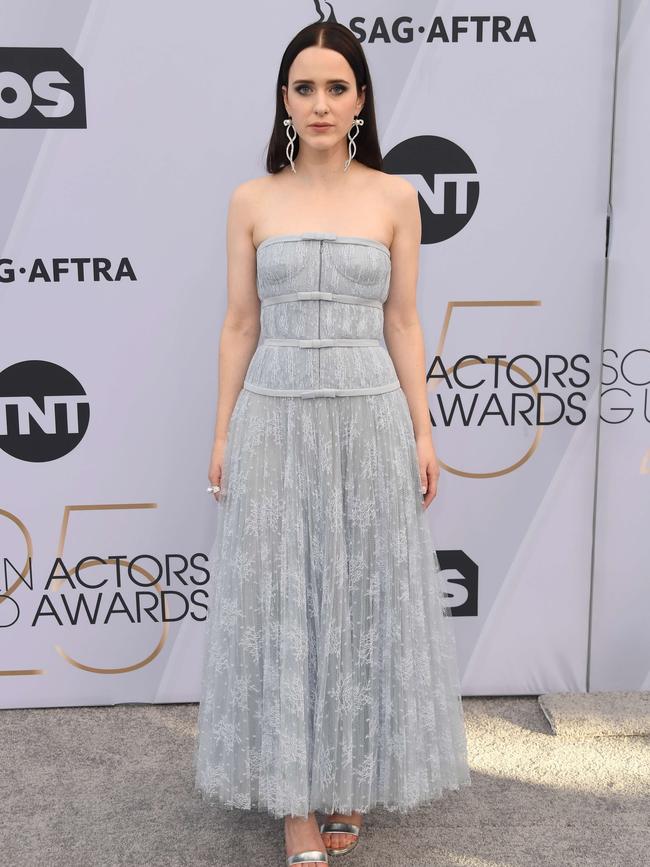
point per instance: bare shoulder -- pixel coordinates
(396, 191)
(251, 196)
(249, 192)
(401, 192)
(391, 196)
(247, 200)
(401, 199)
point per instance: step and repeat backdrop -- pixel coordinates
(124, 128)
(620, 632)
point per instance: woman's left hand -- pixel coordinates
(429, 469)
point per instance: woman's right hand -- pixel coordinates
(215, 473)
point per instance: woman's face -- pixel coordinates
(321, 90)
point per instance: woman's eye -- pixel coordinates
(340, 88)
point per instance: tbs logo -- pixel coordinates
(41, 88)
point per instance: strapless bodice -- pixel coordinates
(322, 317)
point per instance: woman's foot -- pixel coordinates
(340, 841)
(302, 835)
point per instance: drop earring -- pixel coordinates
(352, 148)
(289, 151)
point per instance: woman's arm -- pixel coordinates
(241, 327)
(403, 331)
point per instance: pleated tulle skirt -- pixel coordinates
(329, 677)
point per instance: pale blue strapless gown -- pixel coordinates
(330, 677)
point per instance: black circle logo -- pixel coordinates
(44, 412)
(446, 181)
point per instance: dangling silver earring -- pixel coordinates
(289, 125)
(352, 148)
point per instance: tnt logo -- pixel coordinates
(44, 411)
(41, 88)
(445, 178)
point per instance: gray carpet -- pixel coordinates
(597, 714)
(113, 785)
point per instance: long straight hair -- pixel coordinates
(326, 34)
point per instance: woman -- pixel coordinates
(330, 680)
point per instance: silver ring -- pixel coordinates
(213, 489)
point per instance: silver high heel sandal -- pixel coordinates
(340, 828)
(305, 857)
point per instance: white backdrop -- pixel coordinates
(620, 642)
(506, 134)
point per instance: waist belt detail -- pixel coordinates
(322, 296)
(312, 342)
(321, 392)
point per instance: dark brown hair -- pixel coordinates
(326, 34)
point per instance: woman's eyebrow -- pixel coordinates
(330, 81)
